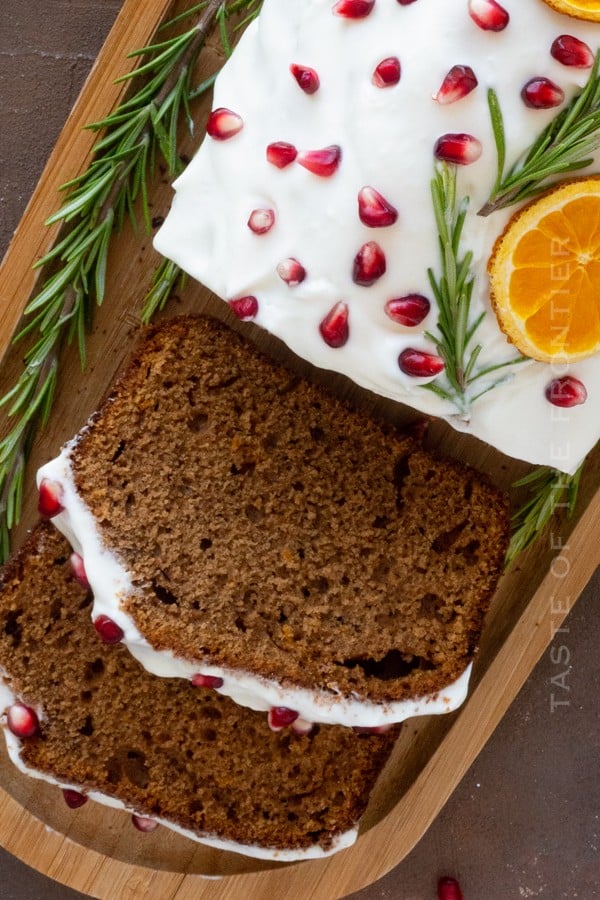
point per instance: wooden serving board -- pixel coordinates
(94, 849)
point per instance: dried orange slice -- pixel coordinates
(545, 274)
(579, 9)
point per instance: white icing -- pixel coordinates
(387, 138)
(110, 583)
(14, 745)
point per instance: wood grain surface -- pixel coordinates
(97, 854)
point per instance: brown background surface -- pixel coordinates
(525, 821)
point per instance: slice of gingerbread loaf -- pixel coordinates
(87, 717)
(243, 529)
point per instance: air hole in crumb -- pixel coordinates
(393, 665)
(164, 594)
(12, 626)
(208, 734)
(429, 604)
(120, 448)
(380, 522)
(321, 584)
(468, 490)
(470, 552)
(86, 696)
(305, 591)
(447, 539)
(240, 624)
(225, 383)
(253, 513)
(135, 768)
(87, 601)
(246, 468)
(87, 728)
(301, 553)
(205, 544)
(93, 669)
(317, 434)
(401, 473)
(198, 423)
(298, 486)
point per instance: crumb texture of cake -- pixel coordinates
(162, 748)
(314, 216)
(268, 529)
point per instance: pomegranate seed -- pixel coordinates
(405, 2)
(291, 271)
(74, 799)
(207, 681)
(541, 93)
(321, 162)
(78, 569)
(460, 149)
(374, 210)
(22, 720)
(387, 72)
(489, 15)
(280, 717)
(49, 498)
(143, 824)
(420, 364)
(570, 51)
(353, 9)
(369, 264)
(334, 328)
(449, 889)
(261, 220)
(306, 77)
(409, 310)
(281, 154)
(223, 124)
(108, 631)
(566, 392)
(458, 83)
(301, 726)
(244, 307)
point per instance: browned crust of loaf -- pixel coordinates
(157, 744)
(483, 516)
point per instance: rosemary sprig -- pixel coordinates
(453, 291)
(550, 490)
(142, 129)
(565, 145)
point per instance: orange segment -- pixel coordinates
(545, 274)
(579, 9)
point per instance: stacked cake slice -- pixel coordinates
(85, 716)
